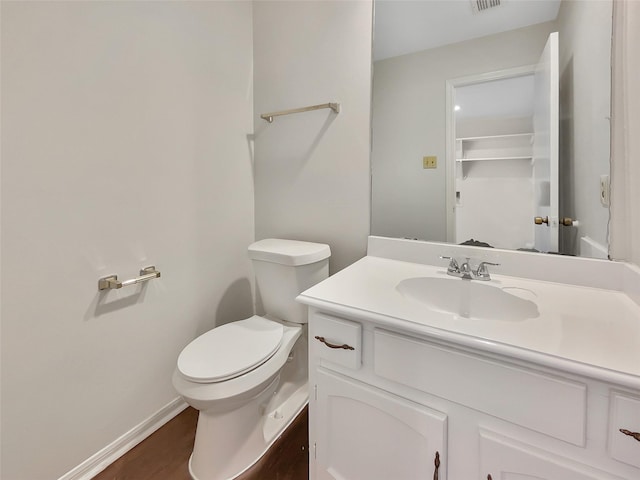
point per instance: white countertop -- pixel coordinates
(580, 329)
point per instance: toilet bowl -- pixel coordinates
(248, 378)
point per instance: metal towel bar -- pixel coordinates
(111, 282)
(269, 116)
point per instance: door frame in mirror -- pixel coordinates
(450, 133)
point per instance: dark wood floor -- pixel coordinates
(165, 454)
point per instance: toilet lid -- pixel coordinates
(230, 350)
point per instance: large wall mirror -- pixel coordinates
(491, 123)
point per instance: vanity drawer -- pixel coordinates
(544, 403)
(624, 415)
(337, 340)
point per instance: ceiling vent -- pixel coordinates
(484, 5)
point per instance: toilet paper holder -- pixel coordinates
(111, 282)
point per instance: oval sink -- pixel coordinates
(469, 299)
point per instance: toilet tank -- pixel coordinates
(284, 269)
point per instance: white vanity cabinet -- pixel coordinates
(408, 440)
(384, 399)
(360, 431)
(507, 459)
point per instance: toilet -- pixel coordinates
(249, 378)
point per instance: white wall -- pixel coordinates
(312, 169)
(124, 144)
(409, 123)
(585, 109)
(625, 168)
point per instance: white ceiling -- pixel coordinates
(407, 26)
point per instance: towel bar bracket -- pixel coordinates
(111, 282)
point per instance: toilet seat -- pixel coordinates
(230, 350)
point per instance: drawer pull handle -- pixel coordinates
(635, 435)
(436, 462)
(333, 345)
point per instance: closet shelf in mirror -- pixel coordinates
(513, 146)
(493, 158)
(507, 136)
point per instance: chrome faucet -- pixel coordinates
(466, 272)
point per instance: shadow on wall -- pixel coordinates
(236, 303)
(314, 143)
(303, 133)
(104, 301)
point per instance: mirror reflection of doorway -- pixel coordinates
(494, 171)
(505, 165)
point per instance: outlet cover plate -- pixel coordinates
(430, 162)
(605, 190)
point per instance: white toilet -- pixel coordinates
(249, 378)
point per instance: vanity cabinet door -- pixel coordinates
(364, 433)
(502, 458)
(624, 428)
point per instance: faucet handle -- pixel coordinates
(482, 272)
(453, 264)
(466, 266)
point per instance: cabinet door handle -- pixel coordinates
(333, 345)
(489, 477)
(635, 435)
(436, 462)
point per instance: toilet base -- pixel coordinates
(228, 443)
(261, 452)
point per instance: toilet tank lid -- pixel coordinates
(288, 252)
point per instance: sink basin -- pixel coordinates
(470, 299)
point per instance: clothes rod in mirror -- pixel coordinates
(269, 116)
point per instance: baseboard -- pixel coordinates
(105, 457)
